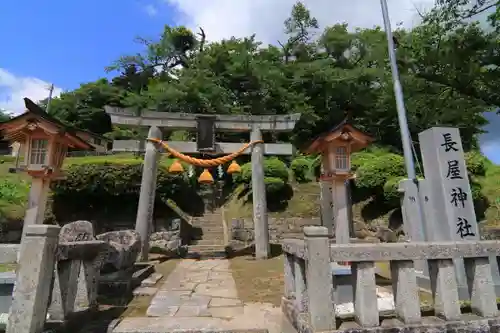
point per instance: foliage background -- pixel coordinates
(449, 68)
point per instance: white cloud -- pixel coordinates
(151, 10)
(225, 18)
(14, 88)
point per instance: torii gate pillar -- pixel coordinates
(145, 209)
(260, 222)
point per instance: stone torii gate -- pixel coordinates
(206, 126)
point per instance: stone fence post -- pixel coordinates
(31, 294)
(319, 279)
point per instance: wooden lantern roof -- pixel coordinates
(18, 128)
(339, 135)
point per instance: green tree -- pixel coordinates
(4, 116)
(84, 107)
(325, 73)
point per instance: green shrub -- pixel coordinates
(273, 186)
(7, 159)
(273, 167)
(301, 167)
(316, 166)
(13, 192)
(374, 173)
(476, 163)
(391, 194)
(360, 158)
(476, 189)
(278, 193)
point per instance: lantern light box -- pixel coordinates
(336, 147)
(44, 141)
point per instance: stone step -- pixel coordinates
(206, 247)
(210, 228)
(207, 223)
(216, 213)
(144, 291)
(208, 217)
(151, 280)
(207, 251)
(168, 324)
(204, 219)
(214, 237)
(208, 242)
(212, 232)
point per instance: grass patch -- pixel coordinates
(258, 280)
(491, 189)
(7, 267)
(14, 188)
(304, 203)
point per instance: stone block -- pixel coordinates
(9, 253)
(224, 302)
(161, 310)
(144, 291)
(296, 247)
(226, 312)
(124, 247)
(192, 311)
(151, 280)
(76, 231)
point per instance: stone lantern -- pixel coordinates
(336, 147)
(44, 142)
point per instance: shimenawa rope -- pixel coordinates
(204, 163)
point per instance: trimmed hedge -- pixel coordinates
(274, 185)
(273, 167)
(476, 163)
(116, 187)
(301, 168)
(374, 173)
(391, 193)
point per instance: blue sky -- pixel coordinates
(70, 42)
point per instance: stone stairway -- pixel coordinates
(211, 242)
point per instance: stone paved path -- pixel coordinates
(202, 295)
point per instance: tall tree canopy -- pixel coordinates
(4, 116)
(448, 64)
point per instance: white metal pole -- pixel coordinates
(398, 93)
(403, 122)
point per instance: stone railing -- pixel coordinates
(38, 292)
(308, 300)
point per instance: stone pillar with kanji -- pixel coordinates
(450, 213)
